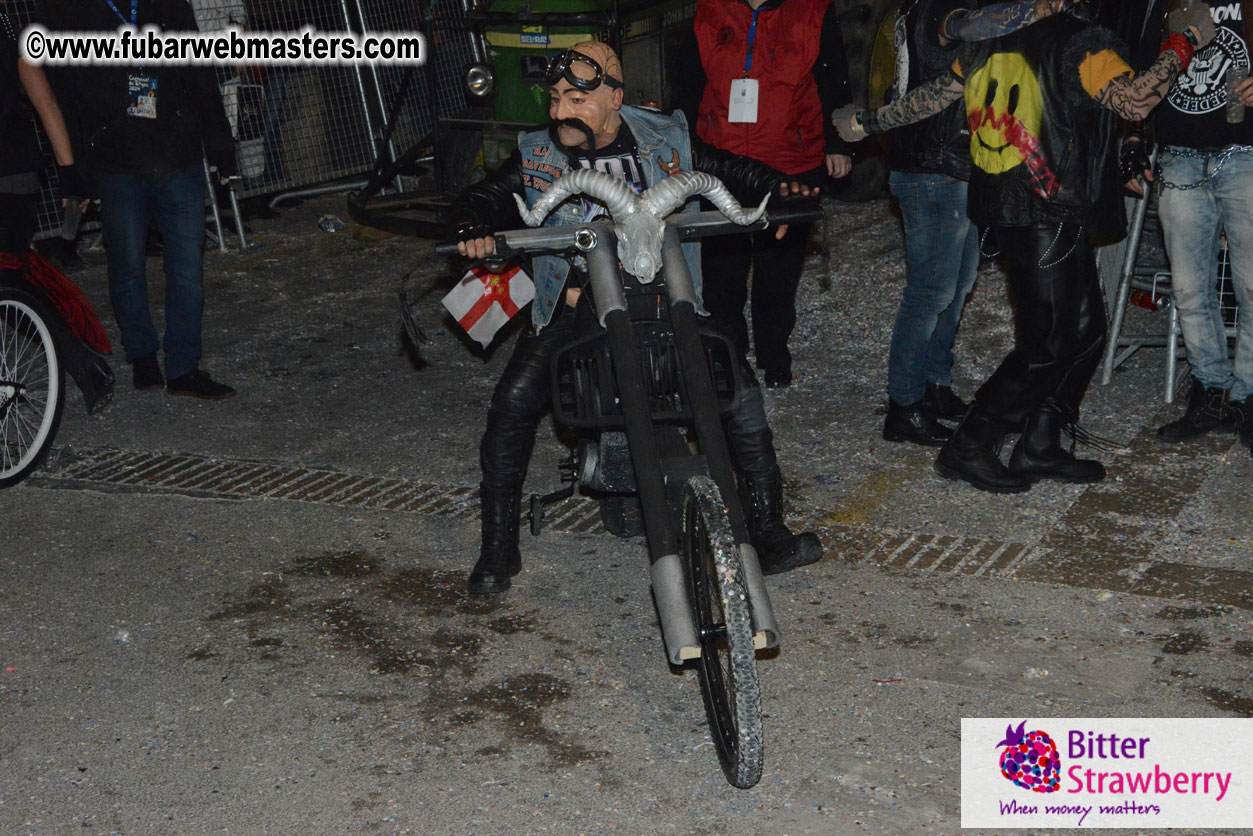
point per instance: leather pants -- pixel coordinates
(522, 393)
(525, 388)
(1059, 323)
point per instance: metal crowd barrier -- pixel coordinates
(311, 130)
(302, 129)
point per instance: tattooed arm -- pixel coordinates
(992, 21)
(1132, 99)
(923, 101)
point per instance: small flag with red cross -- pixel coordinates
(483, 301)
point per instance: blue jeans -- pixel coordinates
(1193, 220)
(176, 201)
(941, 260)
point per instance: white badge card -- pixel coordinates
(743, 106)
(141, 96)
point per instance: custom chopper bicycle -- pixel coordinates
(647, 387)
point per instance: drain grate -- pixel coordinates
(238, 479)
(235, 479)
(846, 543)
(928, 552)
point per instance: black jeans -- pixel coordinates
(776, 267)
(1059, 322)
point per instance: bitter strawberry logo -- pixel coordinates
(1030, 759)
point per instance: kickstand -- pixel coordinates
(538, 501)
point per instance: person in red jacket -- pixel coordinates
(769, 75)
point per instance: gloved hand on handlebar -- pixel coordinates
(788, 189)
(475, 241)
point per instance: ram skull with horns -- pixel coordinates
(639, 219)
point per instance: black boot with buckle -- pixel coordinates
(761, 484)
(1207, 411)
(913, 423)
(1039, 453)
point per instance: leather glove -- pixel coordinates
(1195, 23)
(73, 186)
(469, 231)
(848, 123)
(1133, 160)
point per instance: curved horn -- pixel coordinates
(614, 193)
(673, 192)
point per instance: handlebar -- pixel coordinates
(555, 239)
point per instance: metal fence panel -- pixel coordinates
(436, 89)
(298, 127)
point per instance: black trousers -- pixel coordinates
(1059, 323)
(521, 394)
(17, 221)
(525, 388)
(776, 268)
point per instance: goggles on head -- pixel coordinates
(580, 70)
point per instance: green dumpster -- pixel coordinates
(519, 55)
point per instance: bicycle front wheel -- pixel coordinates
(32, 386)
(727, 666)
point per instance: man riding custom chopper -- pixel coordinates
(592, 128)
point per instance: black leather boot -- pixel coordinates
(504, 452)
(761, 483)
(1207, 411)
(1039, 453)
(912, 423)
(942, 402)
(499, 560)
(778, 549)
(1242, 412)
(971, 456)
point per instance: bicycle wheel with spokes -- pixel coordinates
(727, 666)
(32, 386)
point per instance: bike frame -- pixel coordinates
(706, 579)
(597, 243)
(660, 522)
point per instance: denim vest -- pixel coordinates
(658, 138)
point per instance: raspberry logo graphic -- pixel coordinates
(1030, 759)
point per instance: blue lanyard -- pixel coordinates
(752, 36)
(134, 21)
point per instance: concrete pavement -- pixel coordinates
(247, 617)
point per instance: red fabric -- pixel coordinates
(495, 289)
(63, 295)
(1182, 47)
(788, 133)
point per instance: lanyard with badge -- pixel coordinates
(141, 88)
(743, 106)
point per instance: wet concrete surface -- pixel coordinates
(211, 652)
